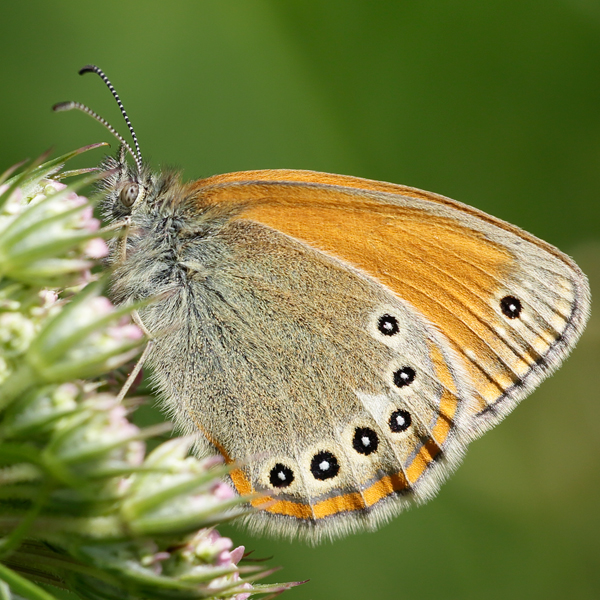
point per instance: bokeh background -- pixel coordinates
(494, 103)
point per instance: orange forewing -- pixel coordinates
(446, 270)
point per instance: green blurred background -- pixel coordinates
(494, 103)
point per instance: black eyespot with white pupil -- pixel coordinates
(129, 194)
(281, 476)
(324, 465)
(388, 325)
(400, 420)
(404, 376)
(511, 307)
(365, 441)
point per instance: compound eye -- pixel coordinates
(129, 194)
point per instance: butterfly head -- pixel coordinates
(129, 190)
(126, 189)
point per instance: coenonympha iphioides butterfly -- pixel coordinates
(349, 337)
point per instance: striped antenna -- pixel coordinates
(100, 72)
(64, 106)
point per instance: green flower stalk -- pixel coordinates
(83, 506)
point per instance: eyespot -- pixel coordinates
(511, 307)
(404, 376)
(388, 325)
(281, 476)
(324, 465)
(365, 441)
(399, 420)
(129, 194)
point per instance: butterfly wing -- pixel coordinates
(349, 337)
(510, 305)
(342, 401)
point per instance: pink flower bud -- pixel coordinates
(237, 554)
(222, 491)
(96, 248)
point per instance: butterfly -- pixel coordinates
(338, 340)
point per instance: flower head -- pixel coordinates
(81, 497)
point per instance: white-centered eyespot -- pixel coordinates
(129, 194)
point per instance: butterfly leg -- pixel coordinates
(124, 225)
(138, 367)
(140, 363)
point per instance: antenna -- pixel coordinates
(100, 72)
(64, 106)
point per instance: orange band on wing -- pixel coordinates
(384, 487)
(380, 489)
(325, 508)
(448, 400)
(352, 501)
(447, 409)
(421, 461)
